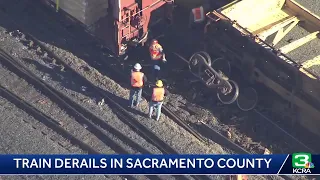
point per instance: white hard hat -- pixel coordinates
(137, 66)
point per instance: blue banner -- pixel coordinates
(141, 164)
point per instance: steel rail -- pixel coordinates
(75, 109)
(44, 119)
(141, 129)
(47, 121)
(86, 117)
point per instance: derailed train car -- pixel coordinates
(120, 24)
(238, 32)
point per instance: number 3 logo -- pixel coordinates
(301, 159)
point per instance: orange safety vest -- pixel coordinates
(198, 14)
(155, 51)
(137, 79)
(158, 94)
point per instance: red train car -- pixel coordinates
(121, 24)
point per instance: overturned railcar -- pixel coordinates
(120, 24)
(247, 33)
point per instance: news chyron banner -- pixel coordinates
(298, 163)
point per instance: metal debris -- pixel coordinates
(101, 103)
(83, 88)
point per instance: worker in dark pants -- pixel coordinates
(157, 98)
(138, 80)
(157, 54)
(156, 72)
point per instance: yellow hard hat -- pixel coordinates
(159, 83)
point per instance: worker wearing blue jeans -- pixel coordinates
(137, 82)
(137, 92)
(157, 99)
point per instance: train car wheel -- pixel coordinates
(206, 56)
(248, 99)
(230, 97)
(197, 61)
(223, 65)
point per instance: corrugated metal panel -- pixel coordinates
(86, 11)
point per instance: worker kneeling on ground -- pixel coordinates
(156, 102)
(137, 82)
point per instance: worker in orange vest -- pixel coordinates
(138, 79)
(156, 52)
(156, 102)
(157, 56)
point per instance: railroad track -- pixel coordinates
(93, 123)
(47, 120)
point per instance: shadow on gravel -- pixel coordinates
(56, 74)
(48, 27)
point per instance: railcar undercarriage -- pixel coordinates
(238, 37)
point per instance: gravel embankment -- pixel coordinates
(28, 93)
(73, 89)
(22, 134)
